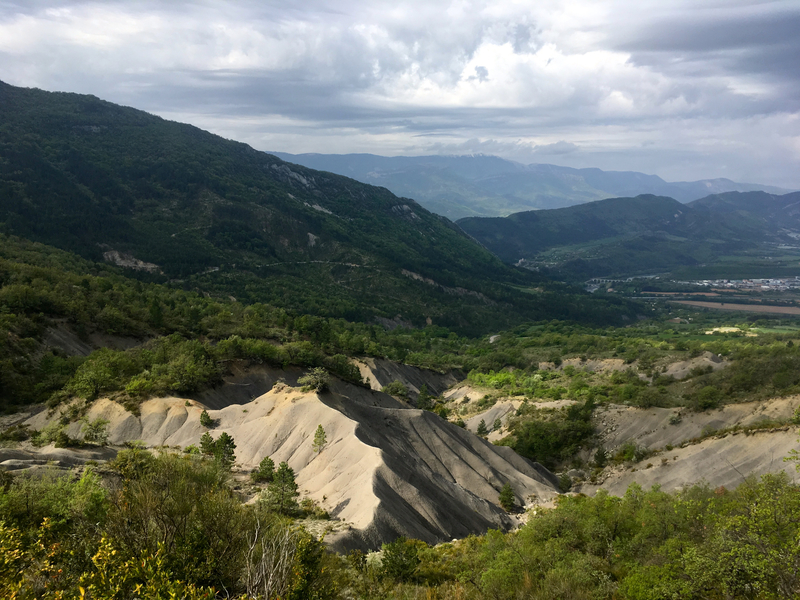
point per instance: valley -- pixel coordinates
(222, 373)
(488, 186)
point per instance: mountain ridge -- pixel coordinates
(485, 185)
(220, 217)
(641, 235)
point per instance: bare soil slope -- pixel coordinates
(696, 453)
(386, 469)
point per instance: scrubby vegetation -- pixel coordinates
(647, 545)
(132, 535)
(169, 527)
(318, 286)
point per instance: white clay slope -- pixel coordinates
(386, 469)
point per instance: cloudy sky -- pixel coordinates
(685, 89)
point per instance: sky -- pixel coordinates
(684, 89)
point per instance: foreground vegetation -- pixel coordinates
(172, 527)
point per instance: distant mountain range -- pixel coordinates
(216, 216)
(646, 234)
(489, 186)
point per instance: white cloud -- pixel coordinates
(669, 86)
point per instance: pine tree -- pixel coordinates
(282, 493)
(223, 450)
(207, 444)
(320, 439)
(205, 419)
(424, 398)
(482, 431)
(496, 425)
(265, 472)
(507, 499)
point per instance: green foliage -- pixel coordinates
(601, 457)
(281, 494)
(317, 379)
(708, 397)
(265, 471)
(172, 529)
(224, 447)
(221, 449)
(647, 545)
(396, 388)
(482, 430)
(400, 559)
(133, 463)
(551, 438)
(95, 432)
(424, 398)
(205, 419)
(507, 498)
(207, 445)
(231, 220)
(630, 452)
(320, 439)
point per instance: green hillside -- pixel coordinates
(219, 217)
(479, 185)
(644, 235)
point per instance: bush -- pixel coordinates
(707, 398)
(400, 559)
(205, 419)
(95, 432)
(396, 388)
(317, 379)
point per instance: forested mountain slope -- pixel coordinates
(489, 186)
(107, 181)
(644, 234)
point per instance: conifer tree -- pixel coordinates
(265, 472)
(223, 450)
(207, 444)
(482, 431)
(507, 499)
(320, 439)
(281, 495)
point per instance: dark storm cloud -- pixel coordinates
(766, 46)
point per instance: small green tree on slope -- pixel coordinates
(507, 499)
(320, 439)
(281, 495)
(265, 472)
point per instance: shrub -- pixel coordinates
(396, 388)
(205, 419)
(400, 559)
(320, 439)
(707, 398)
(95, 432)
(317, 379)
